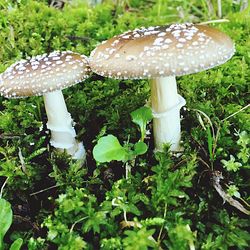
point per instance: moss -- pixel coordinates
(88, 204)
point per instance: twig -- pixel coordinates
(46, 189)
(127, 170)
(164, 217)
(9, 136)
(21, 158)
(248, 205)
(4, 184)
(216, 177)
(200, 147)
(235, 113)
(72, 227)
(216, 21)
(204, 162)
(118, 205)
(179, 163)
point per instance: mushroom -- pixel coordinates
(47, 75)
(161, 53)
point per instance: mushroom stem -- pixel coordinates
(60, 124)
(166, 105)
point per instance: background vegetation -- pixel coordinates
(166, 202)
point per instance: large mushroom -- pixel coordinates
(47, 75)
(161, 53)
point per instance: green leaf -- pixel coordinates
(142, 237)
(36, 153)
(210, 143)
(6, 215)
(16, 245)
(231, 165)
(142, 117)
(108, 148)
(140, 148)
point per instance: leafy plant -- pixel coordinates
(231, 165)
(168, 202)
(108, 148)
(6, 216)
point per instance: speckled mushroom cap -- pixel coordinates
(43, 73)
(178, 49)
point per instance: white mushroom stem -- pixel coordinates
(166, 105)
(60, 124)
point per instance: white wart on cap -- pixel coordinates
(43, 74)
(178, 49)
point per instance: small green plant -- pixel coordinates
(231, 165)
(168, 202)
(243, 142)
(108, 147)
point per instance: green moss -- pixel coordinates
(167, 202)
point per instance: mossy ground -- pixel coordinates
(169, 203)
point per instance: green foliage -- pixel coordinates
(233, 191)
(231, 233)
(231, 165)
(16, 245)
(168, 182)
(167, 202)
(75, 208)
(108, 148)
(243, 142)
(111, 244)
(6, 216)
(142, 238)
(142, 117)
(182, 237)
(140, 148)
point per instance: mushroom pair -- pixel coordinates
(161, 53)
(47, 75)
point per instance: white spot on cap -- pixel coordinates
(179, 45)
(126, 37)
(201, 39)
(168, 40)
(158, 41)
(35, 67)
(182, 40)
(161, 34)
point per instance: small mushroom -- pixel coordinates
(47, 75)
(161, 53)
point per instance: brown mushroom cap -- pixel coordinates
(177, 49)
(43, 73)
